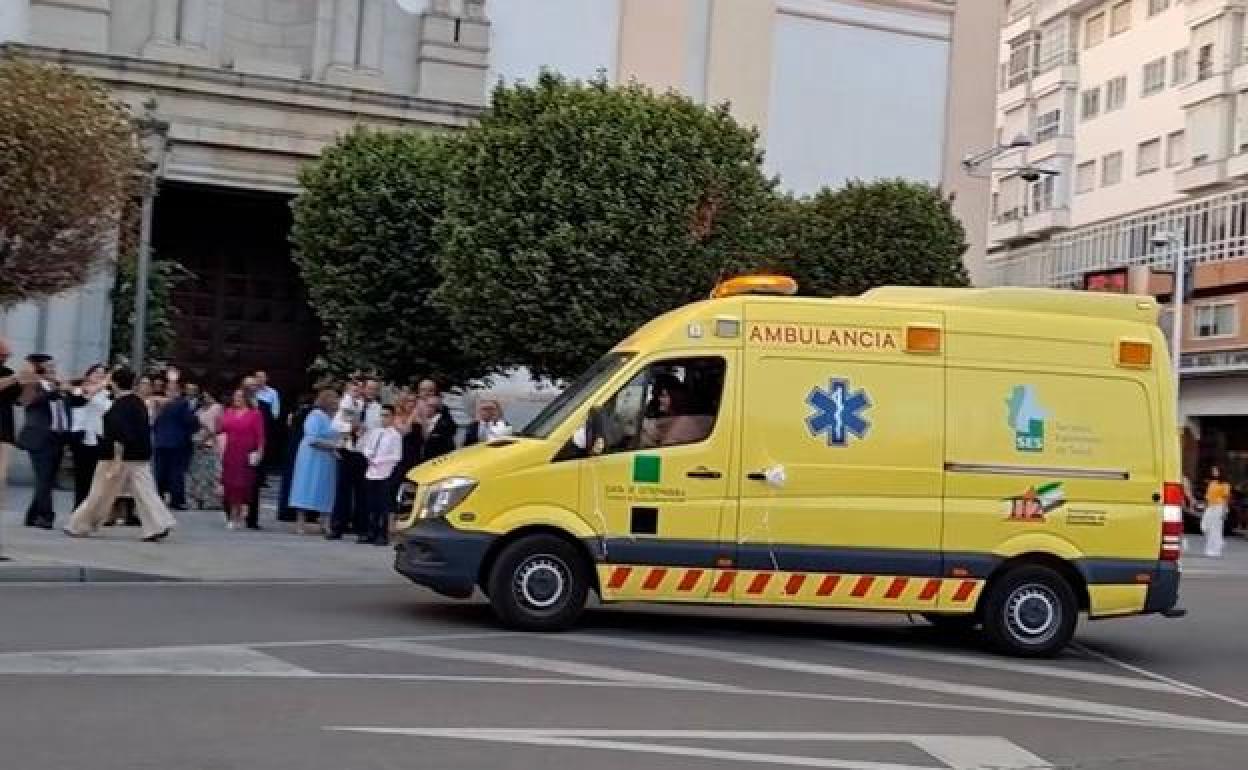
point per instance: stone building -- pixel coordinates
(253, 88)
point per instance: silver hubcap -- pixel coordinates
(1033, 614)
(541, 581)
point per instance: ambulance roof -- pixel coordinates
(1125, 307)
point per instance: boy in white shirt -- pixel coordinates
(382, 447)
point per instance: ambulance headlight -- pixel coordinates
(443, 496)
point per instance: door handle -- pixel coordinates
(704, 473)
(756, 476)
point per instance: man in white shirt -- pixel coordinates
(358, 412)
(382, 448)
(268, 396)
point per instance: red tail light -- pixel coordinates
(1171, 522)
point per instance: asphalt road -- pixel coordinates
(257, 676)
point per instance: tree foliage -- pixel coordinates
(67, 155)
(364, 246)
(576, 212)
(867, 234)
(164, 276)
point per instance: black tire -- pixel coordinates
(954, 624)
(1030, 611)
(539, 583)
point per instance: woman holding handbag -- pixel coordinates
(316, 463)
(242, 425)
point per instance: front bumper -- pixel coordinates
(436, 555)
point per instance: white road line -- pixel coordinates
(956, 751)
(1159, 677)
(203, 660)
(1146, 716)
(1019, 667)
(279, 645)
(553, 665)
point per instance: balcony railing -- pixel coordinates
(1215, 230)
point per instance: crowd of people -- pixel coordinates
(143, 446)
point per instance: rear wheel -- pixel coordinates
(539, 583)
(1030, 611)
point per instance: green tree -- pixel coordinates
(364, 246)
(578, 211)
(162, 315)
(867, 234)
(67, 155)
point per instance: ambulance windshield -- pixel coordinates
(575, 395)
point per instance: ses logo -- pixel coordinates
(1027, 418)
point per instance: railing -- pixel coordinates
(1215, 230)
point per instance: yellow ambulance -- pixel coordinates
(995, 458)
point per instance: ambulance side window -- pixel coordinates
(669, 403)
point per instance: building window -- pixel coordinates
(1178, 67)
(1041, 194)
(1094, 30)
(1154, 80)
(1204, 62)
(1091, 103)
(1023, 53)
(1116, 93)
(1148, 157)
(1157, 6)
(1056, 46)
(1111, 169)
(1085, 177)
(1120, 17)
(1048, 125)
(1215, 320)
(1176, 148)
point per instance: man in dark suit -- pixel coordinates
(440, 429)
(43, 434)
(172, 433)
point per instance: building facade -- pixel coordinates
(252, 89)
(1141, 106)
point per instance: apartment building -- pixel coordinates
(1141, 107)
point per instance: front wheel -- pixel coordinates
(539, 583)
(1030, 611)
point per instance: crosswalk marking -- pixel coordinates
(225, 659)
(1061, 703)
(1016, 666)
(553, 665)
(961, 752)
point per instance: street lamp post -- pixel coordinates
(1173, 240)
(152, 133)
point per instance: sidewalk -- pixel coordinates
(199, 549)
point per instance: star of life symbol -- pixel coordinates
(838, 412)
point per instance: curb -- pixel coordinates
(73, 574)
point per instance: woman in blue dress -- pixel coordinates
(316, 464)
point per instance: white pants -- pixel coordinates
(112, 478)
(1211, 526)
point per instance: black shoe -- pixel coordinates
(364, 540)
(177, 508)
(334, 536)
(254, 526)
(133, 522)
(156, 538)
(45, 523)
(381, 541)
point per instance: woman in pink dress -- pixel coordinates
(243, 428)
